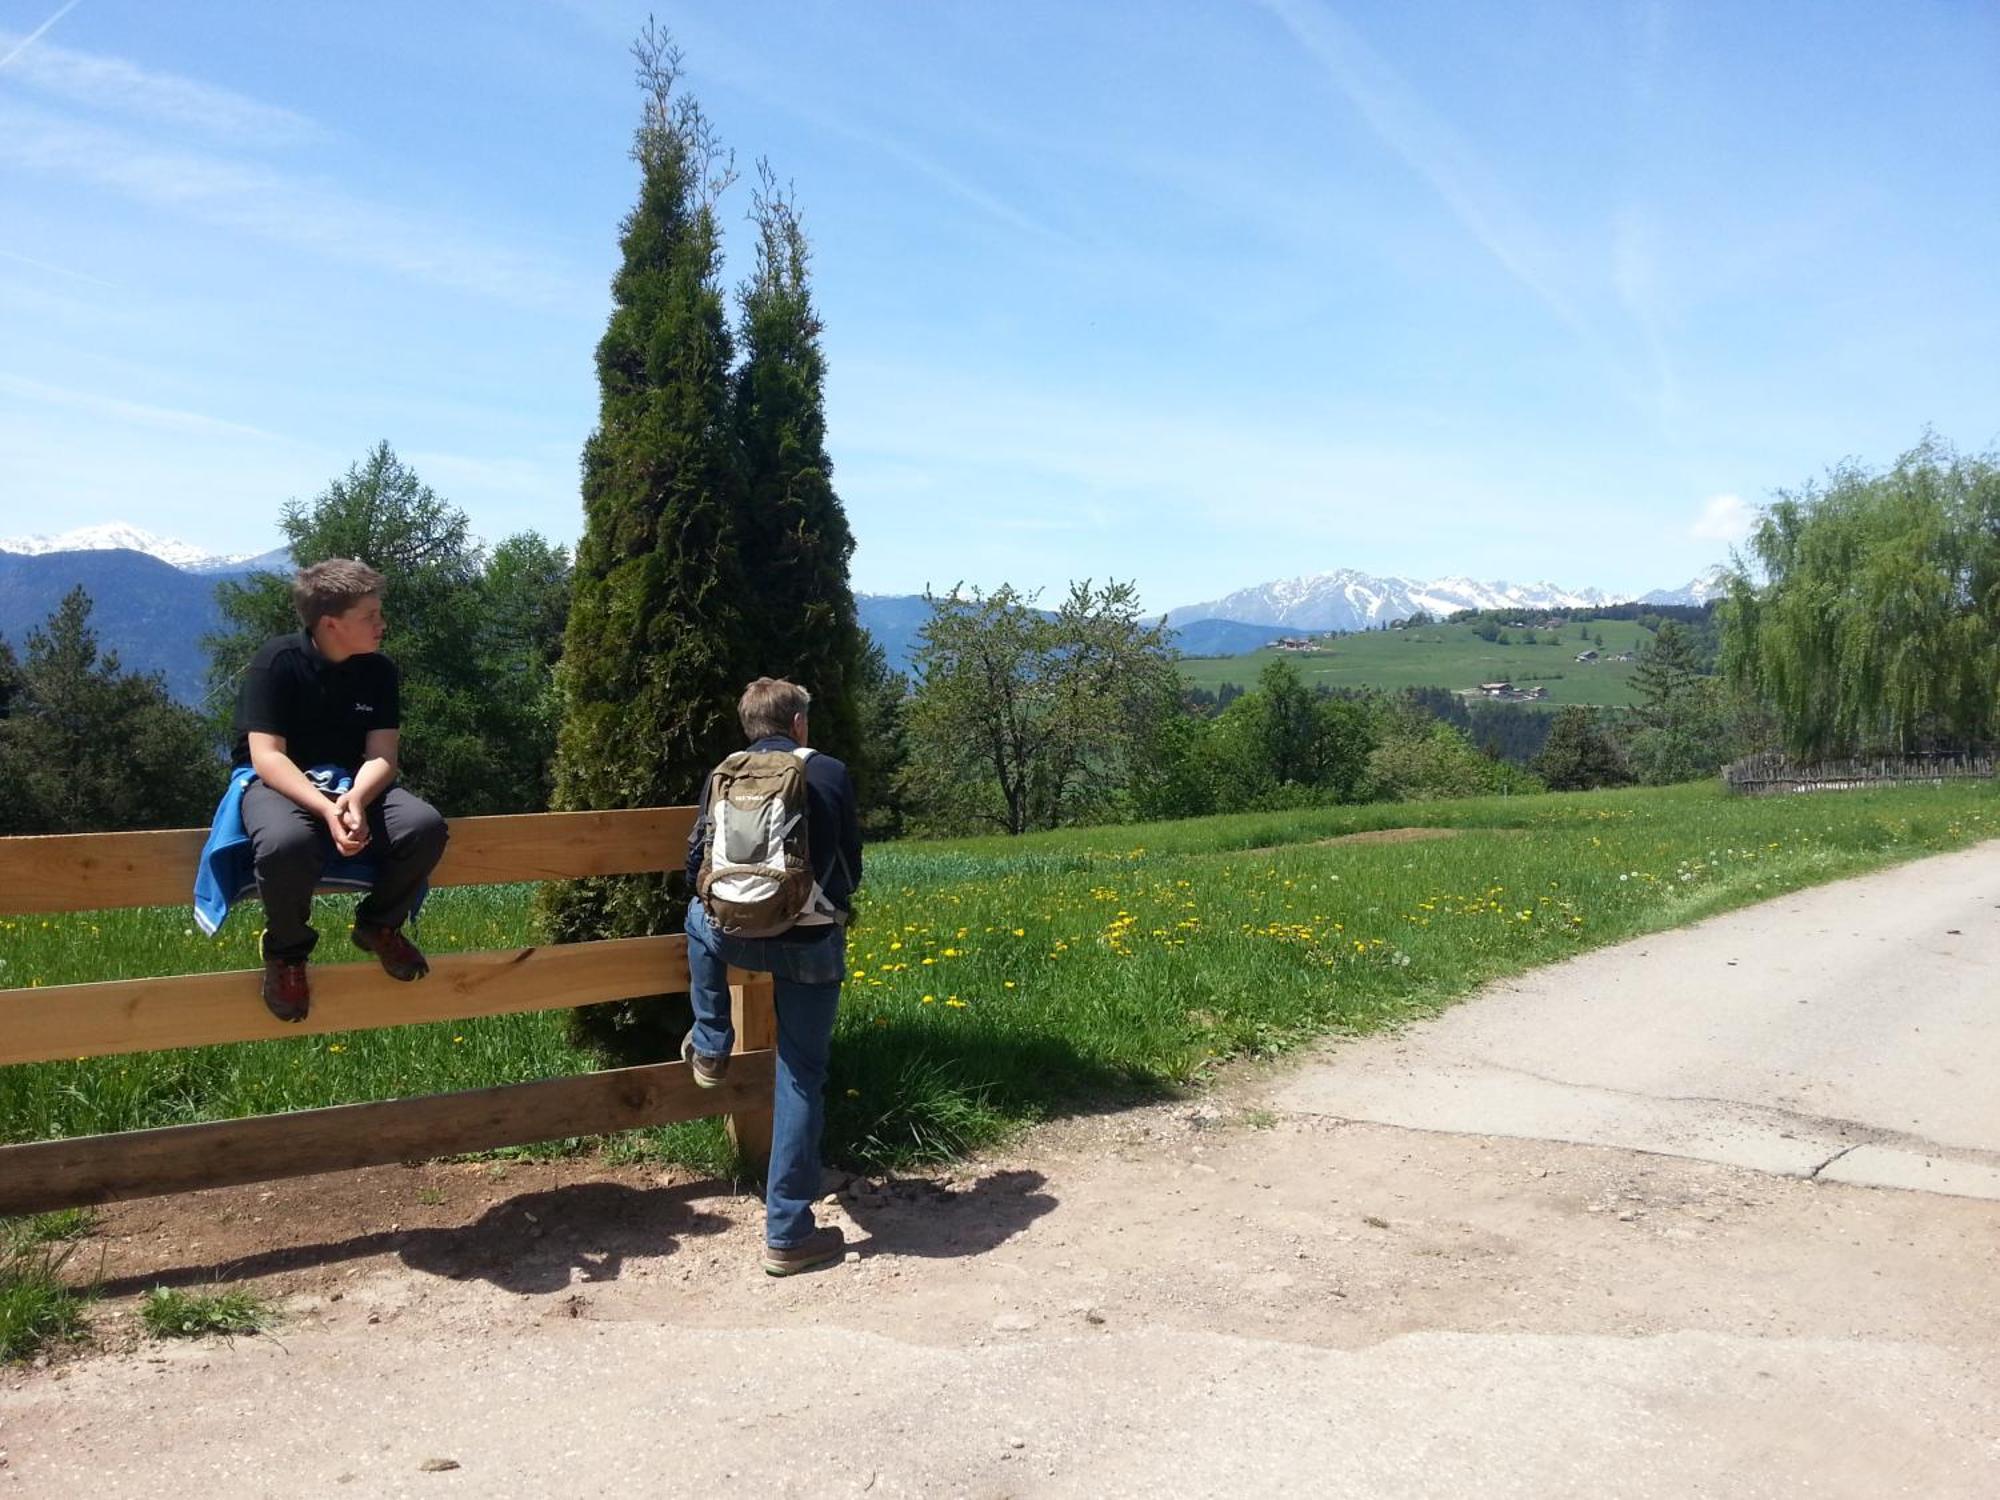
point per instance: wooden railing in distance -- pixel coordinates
(90, 872)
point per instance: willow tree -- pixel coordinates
(657, 646)
(1877, 626)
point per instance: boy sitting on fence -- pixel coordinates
(318, 721)
(774, 859)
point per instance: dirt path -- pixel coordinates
(1252, 1295)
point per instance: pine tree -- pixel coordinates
(795, 539)
(1666, 676)
(655, 653)
(1579, 754)
(86, 746)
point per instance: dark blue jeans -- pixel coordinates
(806, 977)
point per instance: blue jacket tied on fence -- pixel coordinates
(227, 870)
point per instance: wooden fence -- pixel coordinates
(1772, 773)
(89, 872)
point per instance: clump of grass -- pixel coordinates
(172, 1314)
(38, 1307)
(46, 1229)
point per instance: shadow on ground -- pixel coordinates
(915, 1216)
(532, 1242)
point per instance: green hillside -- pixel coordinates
(1451, 656)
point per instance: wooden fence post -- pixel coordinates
(753, 1007)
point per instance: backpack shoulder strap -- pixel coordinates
(804, 752)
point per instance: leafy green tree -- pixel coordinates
(1878, 623)
(1027, 719)
(1697, 739)
(10, 677)
(1343, 739)
(1581, 754)
(1418, 758)
(15, 811)
(523, 612)
(86, 746)
(1288, 725)
(1174, 772)
(794, 538)
(477, 735)
(880, 695)
(660, 640)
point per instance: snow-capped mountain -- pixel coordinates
(117, 536)
(1348, 600)
(1712, 584)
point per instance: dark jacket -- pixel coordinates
(833, 828)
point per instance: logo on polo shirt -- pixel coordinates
(364, 708)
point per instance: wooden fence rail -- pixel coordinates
(90, 872)
(1772, 773)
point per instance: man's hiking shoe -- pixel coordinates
(287, 994)
(820, 1248)
(707, 1071)
(401, 958)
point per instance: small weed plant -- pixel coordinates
(172, 1314)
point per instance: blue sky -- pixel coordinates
(1196, 294)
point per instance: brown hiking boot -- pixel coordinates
(401, 958)
(822, 1247)
(706, 1071)
(287, 993)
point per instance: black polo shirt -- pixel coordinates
(324, 709)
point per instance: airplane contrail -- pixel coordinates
(36, 35)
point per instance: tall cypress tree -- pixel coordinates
(796, 542)
(655, 651)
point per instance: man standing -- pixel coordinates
(769, 901)
(318, 719)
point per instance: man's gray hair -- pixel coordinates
(769, 705)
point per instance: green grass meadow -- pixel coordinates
(1448, 656)
(994, 983)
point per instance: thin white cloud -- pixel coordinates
(63, 271)
(1724, 518)
(20, 45)
(1433, 150)
(139, 413)
(724, 60)
(114, 84)
(1635, 274)
(271, 205)
(968, 192)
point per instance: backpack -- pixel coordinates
(756, 868)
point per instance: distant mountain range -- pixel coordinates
(151, 613)
(116, 536)
(1347, 600)
(154, 600)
